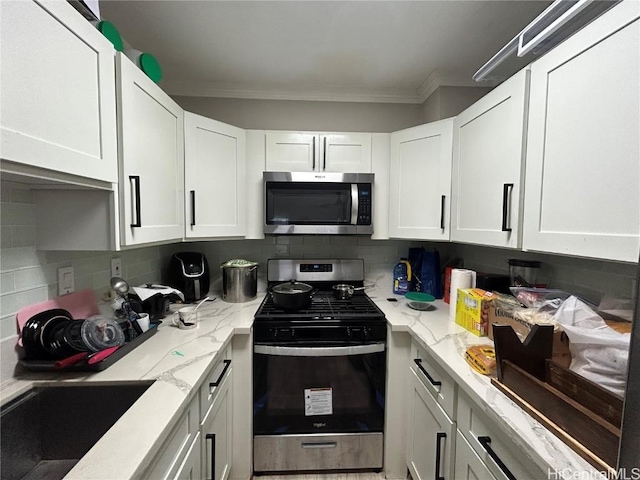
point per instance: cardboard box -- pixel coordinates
(505, 315)
(472, 310)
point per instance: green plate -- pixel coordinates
(419, 297)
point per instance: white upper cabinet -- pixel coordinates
(488, 163)
(345, 152)
(151, 159)
(215, 178)
(315, 152)
(420, 182)
(58, 91)
(583, 148)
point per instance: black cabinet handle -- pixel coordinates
(313, 153)
(227, 364)
(136, 193)
(505, 206)
(435, 383)
(193, 207)
(439, 437)
(486, 444)
(442, 202)
(212, 437)
(324, 155)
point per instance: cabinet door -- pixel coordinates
(217, 434)
(292, 152)
(215, 183)
(500, 454)
(431, 440)
(190, 469)
(345, 152)
(151, 159)
(179, 444)
(583, 174)
(488, 158)
(468, 465)
(58, 91)
(420, 176)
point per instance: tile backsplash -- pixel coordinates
(589, 278)
(28, 275)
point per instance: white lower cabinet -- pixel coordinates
(191, 468)
(431, 410)
(449, 436)
(200, 444)
(497, 452)
(468, 465)
(216, 425)
(431, 440)
(172, 459)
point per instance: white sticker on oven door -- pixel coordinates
(318, 401)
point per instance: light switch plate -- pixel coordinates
(65, 280)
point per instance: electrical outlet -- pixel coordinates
(116, 267)
(65, 280)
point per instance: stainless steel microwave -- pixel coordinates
(318, 203)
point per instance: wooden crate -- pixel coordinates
(582, 414)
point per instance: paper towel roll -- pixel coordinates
(460, 278)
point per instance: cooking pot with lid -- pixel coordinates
(292, 295)
(239, 280)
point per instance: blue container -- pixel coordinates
(401, 277)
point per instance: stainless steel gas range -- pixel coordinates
(319, 374)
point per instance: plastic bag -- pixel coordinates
(532, 297)
(598, 352)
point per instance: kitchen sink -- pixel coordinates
(47, 430)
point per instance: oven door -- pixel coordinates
(337, 388)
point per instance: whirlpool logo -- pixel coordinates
(320, 425)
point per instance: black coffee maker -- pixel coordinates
(189, 273)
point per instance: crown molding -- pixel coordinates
(311, 93)
(316, 93)
(437, 79)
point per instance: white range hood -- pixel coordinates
(559, 21)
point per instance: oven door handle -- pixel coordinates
(319, 351)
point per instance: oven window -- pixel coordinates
(297, 395)
(308, 203)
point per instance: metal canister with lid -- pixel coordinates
(239, 280)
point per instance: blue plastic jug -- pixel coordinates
(401, 277)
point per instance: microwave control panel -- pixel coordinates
(364, 204)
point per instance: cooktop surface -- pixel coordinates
(323, 306)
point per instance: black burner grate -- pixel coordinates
(324, 306)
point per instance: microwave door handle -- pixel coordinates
(313, 154)
(319, 351)
(354, 204)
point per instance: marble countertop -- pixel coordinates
(447, 342)
(179, 359)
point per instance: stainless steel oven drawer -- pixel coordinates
(280, 453)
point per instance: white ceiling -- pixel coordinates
(377, 51)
